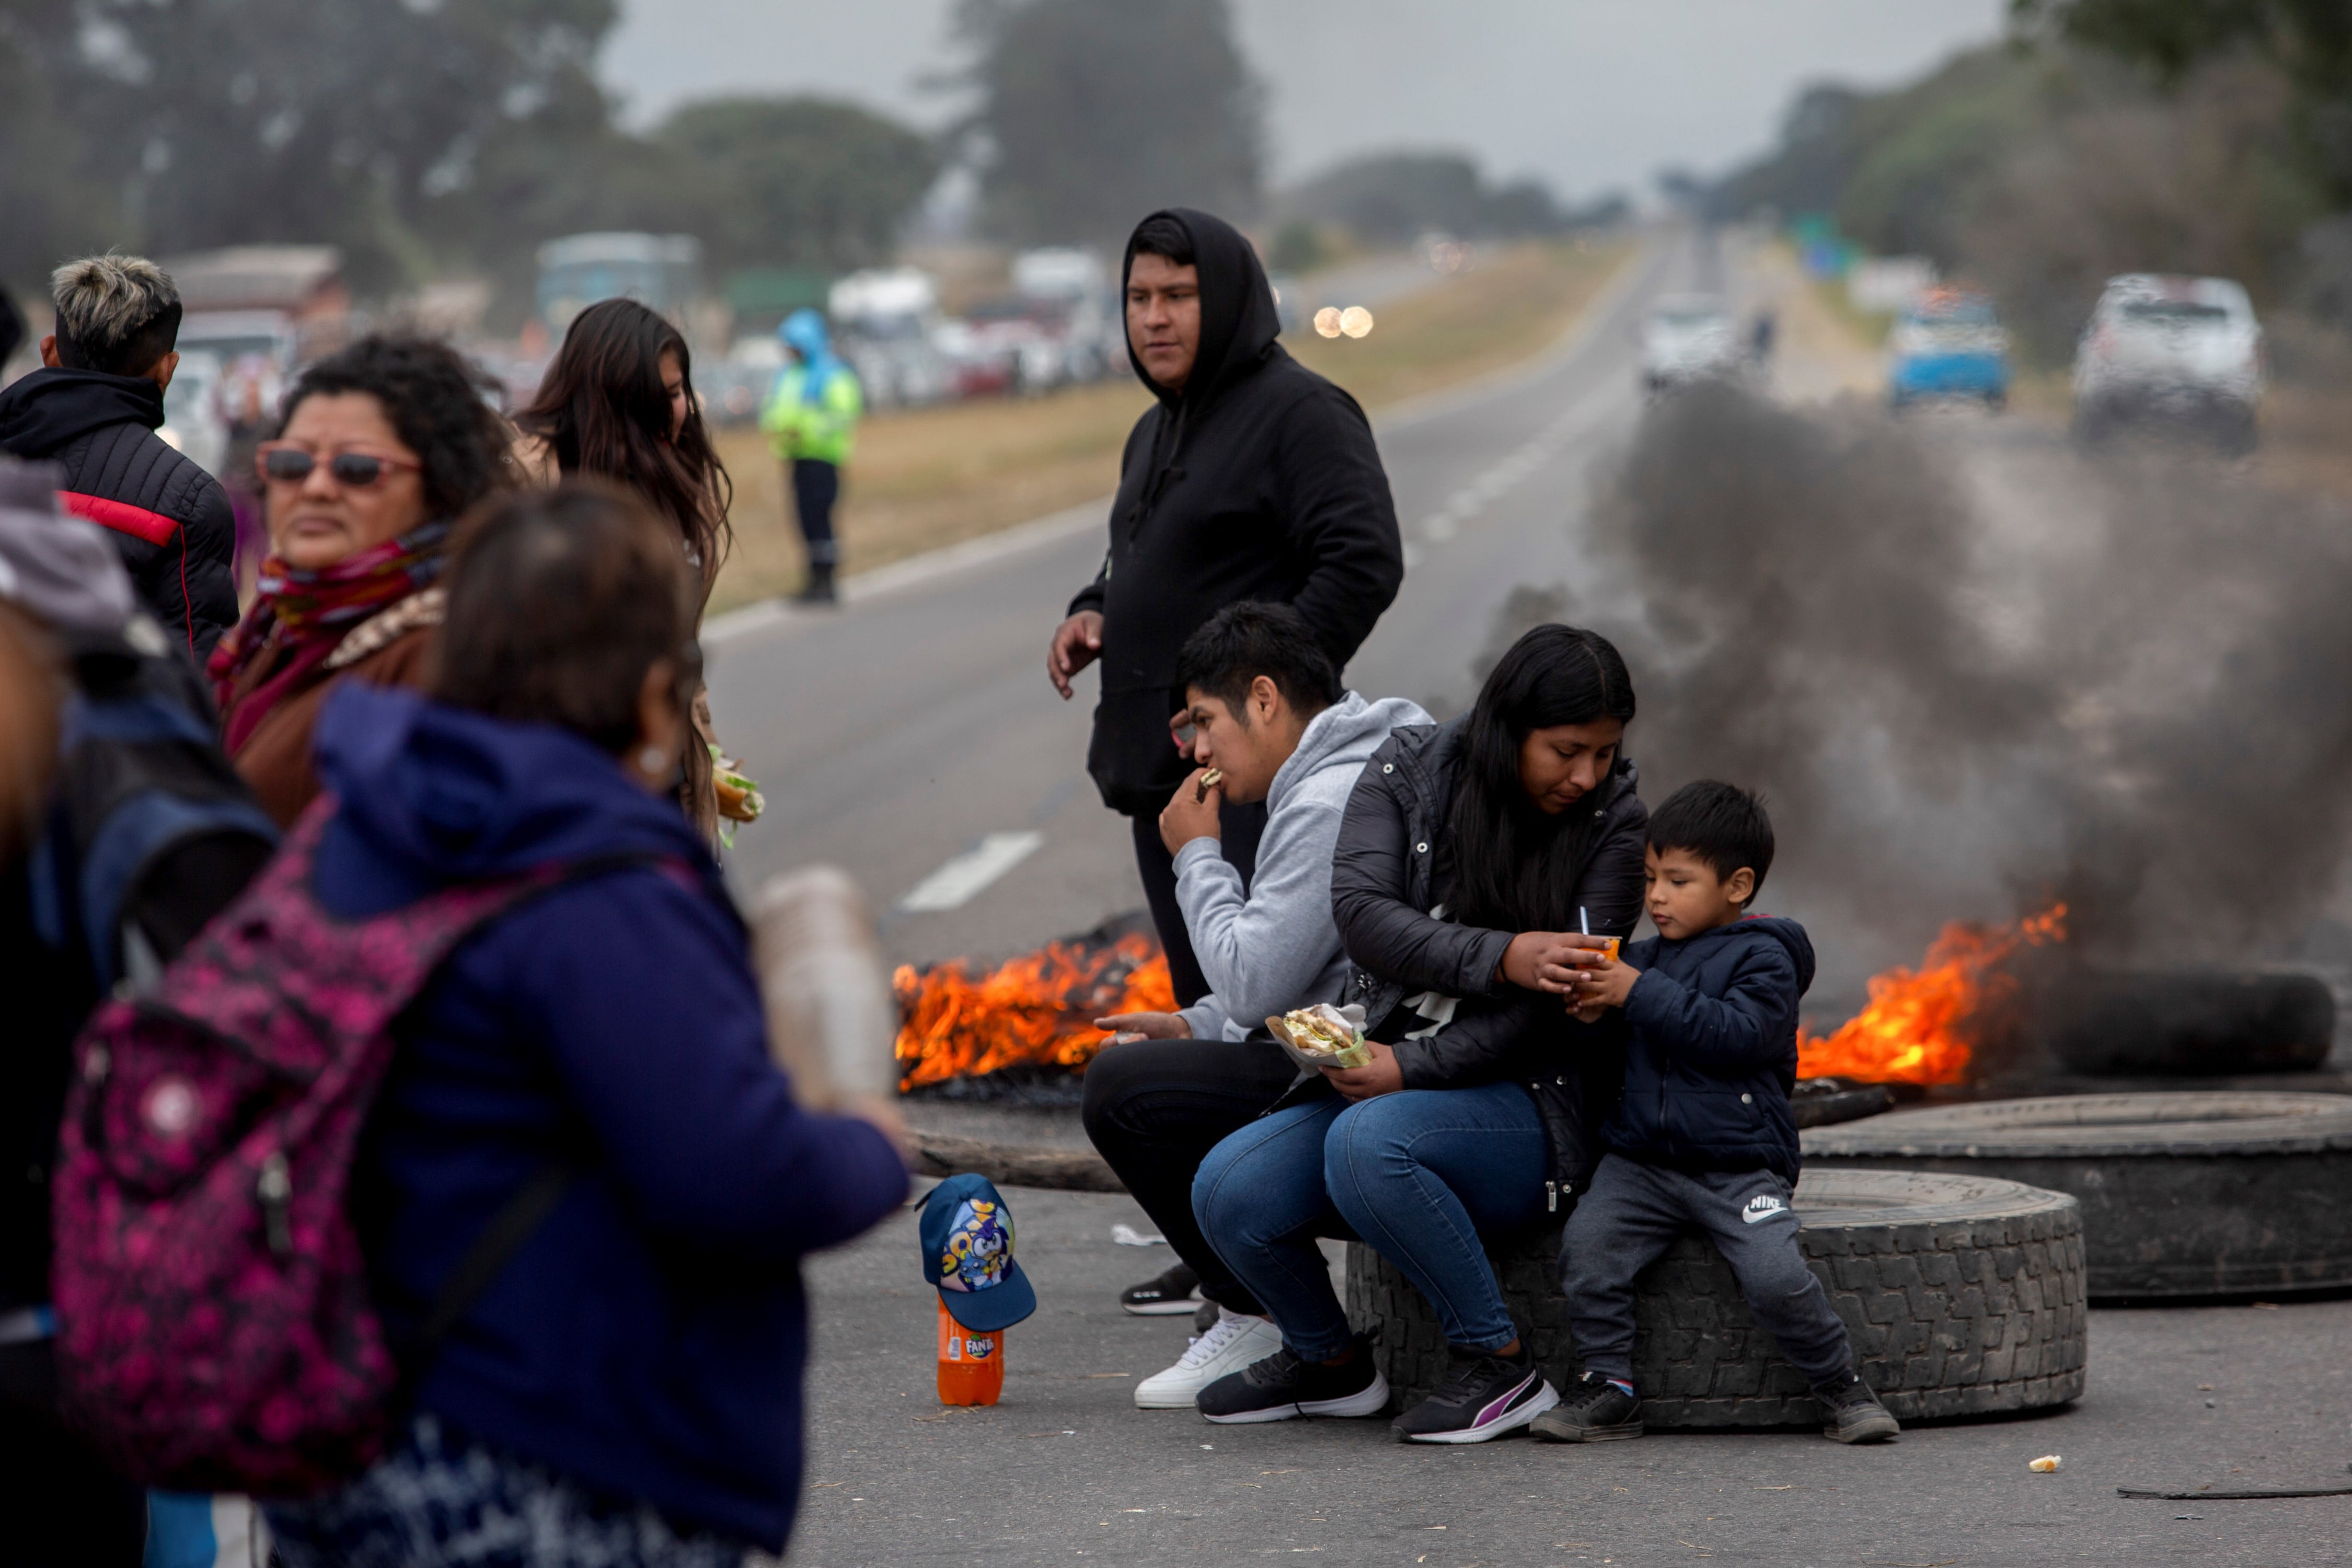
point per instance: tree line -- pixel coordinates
(453, 137)
(420, 139)
(2104, 136)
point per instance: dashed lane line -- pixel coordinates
(961, 878)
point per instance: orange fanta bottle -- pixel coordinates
(972, 1364)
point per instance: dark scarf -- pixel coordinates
(300, 616)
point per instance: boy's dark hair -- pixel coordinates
(1246, 640)
(1718, 823)
(1162, 235)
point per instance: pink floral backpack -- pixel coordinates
(214, 1326)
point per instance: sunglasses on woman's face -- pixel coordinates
(287, 465)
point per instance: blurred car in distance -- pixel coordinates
(1947, 343)
(661, 271)
(1070, 293)
(193, 424)
(2170, 350)
(231, 335)
(886, 322)
(1688, 338)
(734, 388)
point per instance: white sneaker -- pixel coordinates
(1232, 1343)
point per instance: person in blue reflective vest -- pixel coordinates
(810, 418)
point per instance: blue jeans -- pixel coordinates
(1418, 1174)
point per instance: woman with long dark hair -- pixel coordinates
(1474, 859)
(618, 403)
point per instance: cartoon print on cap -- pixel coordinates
(979, 1248)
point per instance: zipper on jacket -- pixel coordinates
(275, 1188)
(1551, 1198)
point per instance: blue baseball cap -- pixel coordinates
(967, 1233)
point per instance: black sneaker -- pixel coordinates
(1283, 1386)
(1162, 1297)
(1483, 1395)
(1594, 1410)
(1854, 1414)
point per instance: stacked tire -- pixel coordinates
(1964, 1296)
(2184, 1194)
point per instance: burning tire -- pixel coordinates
(1964, 1296)
(2187, 1023)
(2200, 1194)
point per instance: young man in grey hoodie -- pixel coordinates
(1269, 723)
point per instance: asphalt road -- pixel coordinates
(1065, 1469)
(915, 725)
(906, 728)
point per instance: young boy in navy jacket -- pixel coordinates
(1704, 1137)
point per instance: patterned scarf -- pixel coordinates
(301, 616)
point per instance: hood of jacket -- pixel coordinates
(1344, 735)
(431, 796)
(1686, 956)
(50, 407)
(1238, 322)
(804, 333)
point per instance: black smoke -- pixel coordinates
(1974, 671)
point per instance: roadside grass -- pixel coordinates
(926, 478)
(2306, 411)
(1870, 327)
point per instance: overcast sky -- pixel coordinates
(1590, 95)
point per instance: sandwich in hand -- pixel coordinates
(1323, 1036)
(1209, 781)
(739, 799)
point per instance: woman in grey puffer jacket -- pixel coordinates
(1473, 859)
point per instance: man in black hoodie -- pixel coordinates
(94, 409)
(1251, 478)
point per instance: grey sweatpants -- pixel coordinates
(1634, 1211)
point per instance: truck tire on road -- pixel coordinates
(2184, 1193)
(1964, 1296)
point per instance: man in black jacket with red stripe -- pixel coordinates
(94, 409)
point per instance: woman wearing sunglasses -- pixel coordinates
(383, 446)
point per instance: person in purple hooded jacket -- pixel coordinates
(627, 1391)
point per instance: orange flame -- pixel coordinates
(1916, 1029)
(1035, 1010)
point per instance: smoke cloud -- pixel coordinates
(1974, 671)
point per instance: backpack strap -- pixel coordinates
(522, 1214)
(492, 1250)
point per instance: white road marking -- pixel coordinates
(961, 879)
(1513, 470)
(949, 560)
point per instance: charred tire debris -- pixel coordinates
(2194, 1194)
(1964, 1296)
(2150, 1023)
